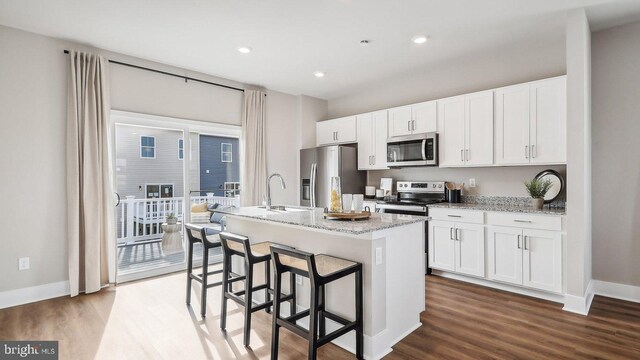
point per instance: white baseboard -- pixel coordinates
(34, 293)
(617, 291)
(580, 304)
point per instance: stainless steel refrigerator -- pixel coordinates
(319, 165)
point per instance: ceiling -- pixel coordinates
(291, 39)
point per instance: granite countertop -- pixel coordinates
(313, 218)
(496, 207)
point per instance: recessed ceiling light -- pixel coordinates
(244, 49)
(319, 74)
(420, 39)
(364, 42)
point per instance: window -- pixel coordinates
(148, 147)
(180, 149)
(154, 191)
(227, 152)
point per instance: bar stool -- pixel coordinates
(321, 270)
(238, 245)
(210, 240)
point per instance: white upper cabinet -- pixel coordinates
(400, 121)
(465, 126)
(548, 121)
(512, 125)
(413, 119)
(479, 129)
(336, 131)
(424, 117)
(531, 121)
(451, 135)
(372, 140)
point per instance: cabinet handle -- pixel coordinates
(336, 136)
(519, 241)
(467, 154)
(522, 221)
(526, 151)
(413, 125)
(455, 216)
(373, 159)
(462, 155)
(451, 234)
(525, 243)
(534, 153)
(409, 126)
(457, 234)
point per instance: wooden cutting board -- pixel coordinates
(347, 216)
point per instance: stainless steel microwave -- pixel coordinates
(413, 150)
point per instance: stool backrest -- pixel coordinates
(293, 260)
(195, 232)
(227, 238)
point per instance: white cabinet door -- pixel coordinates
(479, 129)
(505, 254)
(469, 250)
(441, 245)
(548, 127)
(512, 125)
(365, 141)
(346, 130)
(425, 117)
(542, 264)
(325, 132)
(400, 121)
(379, 150)
(451, 130)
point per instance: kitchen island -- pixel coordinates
(390, 248)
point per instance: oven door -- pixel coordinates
(413, 150)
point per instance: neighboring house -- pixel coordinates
(219, 165)
(149, 163)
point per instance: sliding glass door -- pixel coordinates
(164, 180)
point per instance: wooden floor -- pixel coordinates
(149, 320)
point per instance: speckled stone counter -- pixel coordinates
(495, 207)
(313, 218)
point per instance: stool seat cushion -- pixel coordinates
(259, 249)
(325, 264)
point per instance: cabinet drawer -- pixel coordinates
(527, 221)
(457, 215)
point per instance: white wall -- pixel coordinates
(578, 154)
(33, 77)
(616, 168)
(493, 69)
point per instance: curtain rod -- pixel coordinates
(186, 78)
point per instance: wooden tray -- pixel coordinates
(348, 216)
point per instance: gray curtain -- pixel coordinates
(90, 206)
(254, 174)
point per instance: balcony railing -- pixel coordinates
(140, 219)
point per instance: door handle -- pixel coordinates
(519, 241)
(313, 184)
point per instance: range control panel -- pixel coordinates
(420, 186)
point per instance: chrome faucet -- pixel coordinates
(268, 205)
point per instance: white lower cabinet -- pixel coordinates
(528, 257)
(514, 248)
(456, 247)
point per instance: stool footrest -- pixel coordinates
(336, 334)
(293, 327)
(297, 316)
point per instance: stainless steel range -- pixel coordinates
(413, 198)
